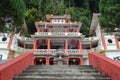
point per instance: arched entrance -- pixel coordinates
(74, 61)
(51, 61)
(40, 61)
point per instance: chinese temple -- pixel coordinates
(59, 51)
(59, 40)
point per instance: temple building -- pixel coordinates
(59, 40)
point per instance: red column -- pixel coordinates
(34, 45)
(65, 30)
(80, 46)
(103, 42)
(48, 46)
(24, 45)
(50, 29)
(38, 29)
(10, 40)
(77, 30)
(47, 61)
(80, 49)
(66, 46)
(90, 45)
(116, 40)
(81, 61)
(67, 61)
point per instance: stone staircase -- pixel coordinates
(61, 72)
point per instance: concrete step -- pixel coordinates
(38, 67)
(61, 72)
(69, 74)
(60, 66)
(61, 78)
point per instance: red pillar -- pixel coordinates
(116, 41)
(77, 30)
(81, 61)
(50, 29)
(80, 46)
(47, 61)
(48, 46)
(103, 42)
(67, 61)
(24, 45)
(10, 40)
(65, 30)
(90, 45)
(34, 45)
(66, 46)
(80, 49)
(38, 29)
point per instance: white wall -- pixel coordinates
(4, 44)
(110, 46)
(86, 62)
(4, 53)
(112, 53)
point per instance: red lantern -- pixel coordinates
(43, 41)
(73, 41)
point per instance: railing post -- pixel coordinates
(34, 45)
(80, 46)
(103, 42)
(116, 41)
(47, 61)
(24, 45)
(48, 46)
(66, 46)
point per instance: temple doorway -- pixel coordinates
(40, 61)
(51, 61)
(74, 61)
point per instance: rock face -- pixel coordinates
(61, 72)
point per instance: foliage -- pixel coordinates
(12, 8)
(80, 10)
(110, 14)
(59, 7)
(81, 15)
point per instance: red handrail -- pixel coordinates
(12, 68)
(105, 65)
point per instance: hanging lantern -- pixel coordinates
(73, 41)
(71, 29)
(43, 41)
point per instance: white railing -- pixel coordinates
(58, 33)
(55, 51)
(41, 51)
(73, 51)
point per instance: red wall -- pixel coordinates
(13, 67)
(106, 65)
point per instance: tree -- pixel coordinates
(94, 6)
(14, 9)
(81, 15)
(110, 14)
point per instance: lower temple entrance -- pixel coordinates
(40, 61)
(51, 61)
(74, 61)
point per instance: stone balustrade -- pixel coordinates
(58, 33)
(55, 51)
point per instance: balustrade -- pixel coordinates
(58, 33)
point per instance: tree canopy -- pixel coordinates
(110, 14)
(14, 9)
(80, 10)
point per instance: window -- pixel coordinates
(109, 40)
(0, 56)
